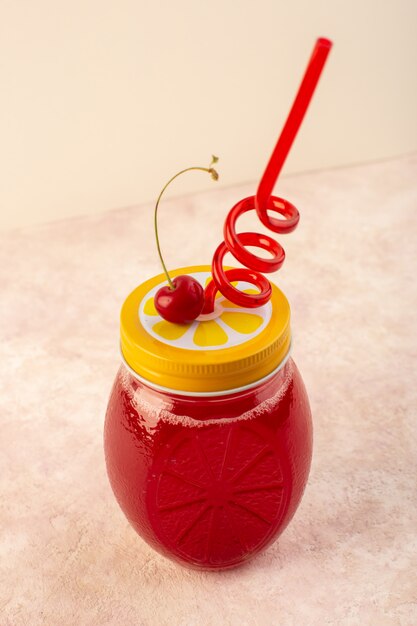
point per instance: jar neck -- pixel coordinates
(203, 407)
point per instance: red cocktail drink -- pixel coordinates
(209, 481)
(209, 455)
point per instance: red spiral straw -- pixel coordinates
(236, 243)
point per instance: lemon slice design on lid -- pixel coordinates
(231, 325)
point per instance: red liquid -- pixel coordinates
(209, 482)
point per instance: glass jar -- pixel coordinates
(209, 468)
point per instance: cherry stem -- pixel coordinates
(213, 173)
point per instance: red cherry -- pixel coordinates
(182, 304)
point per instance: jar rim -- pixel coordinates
(207, 394)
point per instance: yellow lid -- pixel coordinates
(237, 347)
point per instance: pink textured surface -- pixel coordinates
(67, 554)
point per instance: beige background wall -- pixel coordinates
(102, 101)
